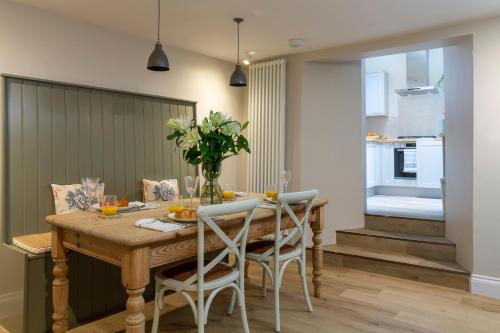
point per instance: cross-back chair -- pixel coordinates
(215, 275)
(285, 248)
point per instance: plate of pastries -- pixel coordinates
(186, 215)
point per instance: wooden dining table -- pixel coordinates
(138, 250)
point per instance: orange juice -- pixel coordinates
(272, 194)
(176, 209)
(228, 195)
(109, 210)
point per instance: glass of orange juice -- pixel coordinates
(228, 192)
(176, 205)
(109, 205)
(272, 192)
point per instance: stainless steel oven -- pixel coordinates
(405, 160)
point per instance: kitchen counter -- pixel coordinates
(393, 140)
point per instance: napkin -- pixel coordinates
(155, 224)
(240, 194)
(267, 206)
(141, 205)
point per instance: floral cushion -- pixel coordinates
(162, 190)
(70, 198)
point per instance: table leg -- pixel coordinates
(60, 285)
(317, 229)
(135, 276)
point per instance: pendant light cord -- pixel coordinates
(158, 20)
(238, 55)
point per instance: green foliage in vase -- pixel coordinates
(217, 137)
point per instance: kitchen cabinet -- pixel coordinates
(376, 94)
(429, 163)
(372, 164)
(387, 164)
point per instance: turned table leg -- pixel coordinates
(135, 276)
(60, 285)
(317, 229)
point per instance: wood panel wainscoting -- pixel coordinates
(136, 250)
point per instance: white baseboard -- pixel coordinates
(485, 285)
(11, 303)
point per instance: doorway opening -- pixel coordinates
(404, 105)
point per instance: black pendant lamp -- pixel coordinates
(158, 60)
(238, 78)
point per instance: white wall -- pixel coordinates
(486, 162)
(331, 139)
(459, 150)
(38, 44)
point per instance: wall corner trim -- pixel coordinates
(485, 285)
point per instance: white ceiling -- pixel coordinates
(206, 26)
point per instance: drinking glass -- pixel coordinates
(109, 205)
(228, 192)
(89, 187)
(272, 191)
(176, 205)
(191, 185)
(100, 193)
(286, 176)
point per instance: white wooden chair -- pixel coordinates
(213, 276)
(281, 251)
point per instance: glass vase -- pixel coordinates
(211, 192)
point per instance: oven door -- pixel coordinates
(405, 163)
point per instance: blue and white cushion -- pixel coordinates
(70, 198)
(164, 190)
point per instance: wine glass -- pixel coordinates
(100, 192)
(286, 176)
(191, 185)
(89, 187)
(109, 205)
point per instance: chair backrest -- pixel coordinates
(237, 245)
(299, 232)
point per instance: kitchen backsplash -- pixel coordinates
(414, 115)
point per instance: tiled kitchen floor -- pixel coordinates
(423, 208)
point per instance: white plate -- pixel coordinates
(172, 217)
(270, 200)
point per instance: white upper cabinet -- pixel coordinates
(429, 163)
(376, 94)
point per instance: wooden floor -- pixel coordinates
(353, 301)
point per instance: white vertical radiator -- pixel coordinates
(267, 124)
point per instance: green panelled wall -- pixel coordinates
(58, 133)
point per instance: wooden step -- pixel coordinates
(407, 266)
(405, 225)
(417, 245)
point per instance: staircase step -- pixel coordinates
(421, 246)
(403, 265)
(405, 225)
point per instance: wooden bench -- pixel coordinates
(76, 131)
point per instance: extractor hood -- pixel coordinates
(417, 75)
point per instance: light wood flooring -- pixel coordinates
(353, 301)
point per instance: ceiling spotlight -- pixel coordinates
(248, 58)
(296, 42)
